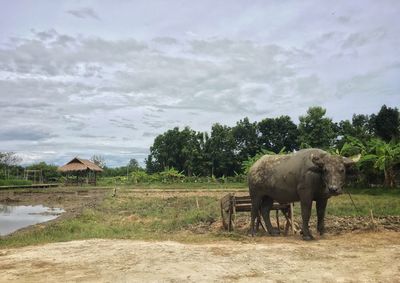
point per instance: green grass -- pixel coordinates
(382, 202)
(163, 217)
(14, 182)
(126, 218)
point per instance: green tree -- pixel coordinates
(316, 130)
(177, 149)
(387, 123)
(164, 152)
(359, 127)
(278, 133)
(152, 165)
(220, 151)
(133, 164)
(246, 139)
(193, 152)
(363, 130)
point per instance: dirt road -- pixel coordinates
(366, 257)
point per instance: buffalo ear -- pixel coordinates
(317, 160)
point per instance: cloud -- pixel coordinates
(344, 19)
(45, 35)
(84, 13)
(214, 74)
(358, 39)
(149, 134)
(84, 95)
(166, 40)
(24, 134)
(123, 123)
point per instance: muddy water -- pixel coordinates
(13, 218)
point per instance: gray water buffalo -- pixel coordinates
(306, 176)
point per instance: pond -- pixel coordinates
(13, 218)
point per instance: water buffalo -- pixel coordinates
(306, 176)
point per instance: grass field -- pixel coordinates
(382, 202)
(191, 214)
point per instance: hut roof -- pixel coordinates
(78, 164)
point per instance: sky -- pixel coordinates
(83, 78)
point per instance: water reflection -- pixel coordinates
(13, 218)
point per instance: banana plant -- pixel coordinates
(384, 156)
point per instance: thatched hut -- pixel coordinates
(81, 171)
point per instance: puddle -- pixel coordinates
(13, 218)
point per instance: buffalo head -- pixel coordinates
(333, 170)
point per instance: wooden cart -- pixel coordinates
(231, 204)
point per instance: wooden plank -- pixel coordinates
(230, 204)
(243, 207)
(246, 198)
(241, 201)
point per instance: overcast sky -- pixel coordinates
(106, 77)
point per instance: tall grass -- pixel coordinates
(14, 182)
(163, 217)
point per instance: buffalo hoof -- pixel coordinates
(308, 238)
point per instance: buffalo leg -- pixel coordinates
(305, 215)
(255, 208)
(266, 206)
(321, 206)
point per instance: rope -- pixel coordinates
(352, 201)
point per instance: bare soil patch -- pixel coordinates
(360, 257)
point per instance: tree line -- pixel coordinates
(222, 151)
(228, 151)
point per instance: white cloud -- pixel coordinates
(112, 86)
(84, 13)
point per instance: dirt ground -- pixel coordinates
(350, 252)
(361, 257)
